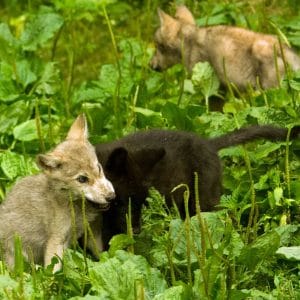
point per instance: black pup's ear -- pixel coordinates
(295, 132)
(117, 161)
(147, 158)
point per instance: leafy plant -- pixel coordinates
(59, 58)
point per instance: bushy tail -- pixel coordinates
(244, 135)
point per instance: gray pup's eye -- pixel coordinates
(82, 179)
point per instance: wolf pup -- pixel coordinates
(239, 56)
(40, 209)
(164, 159)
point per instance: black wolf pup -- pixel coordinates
(164, 159)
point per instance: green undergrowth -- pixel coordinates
(59, 58)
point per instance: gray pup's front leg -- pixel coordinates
(55, 247)
(94, 242)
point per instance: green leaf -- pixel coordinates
(40, 28)
(118, 276)
(24, 73)
(177, 116)
(13, 165)
(26, 131)
(8, 43)
(145, 112)
(119, 242)
(49, 80)
(172, 293)
(289, 253)
(261, 249)
(6, 283)
(11, 115)
(264, 150)
(8, 90)
(205, 79)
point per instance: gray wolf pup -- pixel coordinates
(238, 56)
(39, 208)
(164, 159)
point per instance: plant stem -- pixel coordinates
(38, 126)
(116, 97)
(186, 197)
(287, 169)
(129, 226)
(202, 234)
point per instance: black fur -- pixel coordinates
(164, 159)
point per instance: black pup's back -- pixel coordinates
(164, 159)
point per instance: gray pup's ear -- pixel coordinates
(79, 129)
(48, 162)
(184, 15)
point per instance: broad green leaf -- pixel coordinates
(8, 90)
(13, 114)
(261, 249)
(205, 79)
(26, 131)
(289, 253)
(6, 282)
(118, 276)
(176, 116)
(49, 81)
(178, 234)
(6, 35)
(172, 293)
(12, 164)
(39, 29)
(145, 112)
(278, 195)
(24, 73)
(264, 150)
(110, 80)
(8, 43)
(89, 93)
(119, 242)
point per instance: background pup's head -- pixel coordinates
(169, 38)
(184, 15)
(73, 164)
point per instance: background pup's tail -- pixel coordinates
(244, 135)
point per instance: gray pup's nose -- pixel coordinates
(110, 197)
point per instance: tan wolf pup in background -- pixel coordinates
(239, 56)
(38, 208)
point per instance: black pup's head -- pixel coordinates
(128, 170)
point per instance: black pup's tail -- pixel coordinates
(244, 135)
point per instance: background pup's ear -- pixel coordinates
(184, 15)
(48, 162)
(79, 129)
(117, 161)
(169, 25)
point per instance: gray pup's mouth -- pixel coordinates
(101, 206)
(104, 207)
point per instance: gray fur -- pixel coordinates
(239, 56)
(39, 210)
